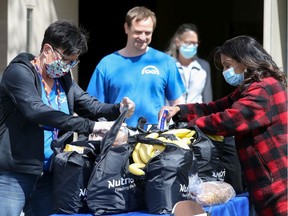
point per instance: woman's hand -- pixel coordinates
(172, 110)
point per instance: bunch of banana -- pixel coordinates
(183, 136)
(187, 135)
(142, 153)
(181, 132)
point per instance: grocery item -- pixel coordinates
(215, 192)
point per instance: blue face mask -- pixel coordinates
(188, 51)
(232, 78)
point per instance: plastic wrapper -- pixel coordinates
(215, 192)
(122, 136)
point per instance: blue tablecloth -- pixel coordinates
(238, 206)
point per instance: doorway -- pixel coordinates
(217, 21)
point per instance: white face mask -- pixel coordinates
(188, 51)
(232, 78)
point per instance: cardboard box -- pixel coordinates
(188, 208)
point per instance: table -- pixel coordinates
(238, 206)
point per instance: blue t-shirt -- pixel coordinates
(48, 132)
(148, 80)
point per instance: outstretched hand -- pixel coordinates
(172, 110)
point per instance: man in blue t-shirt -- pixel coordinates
(147, 76)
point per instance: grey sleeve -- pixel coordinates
(207, 91)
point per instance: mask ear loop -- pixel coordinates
(55, 55)
(236, 65)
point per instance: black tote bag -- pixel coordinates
(166, 178)
(216, 161)
(111, 188)
(71, 172)
(208, 157)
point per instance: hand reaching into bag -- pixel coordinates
(171, 112)
(131, 106)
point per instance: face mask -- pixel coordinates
(232, 78)
(57, 68)
(188, 51)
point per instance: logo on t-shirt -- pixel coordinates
(150, 70)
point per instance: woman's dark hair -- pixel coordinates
(258, 63)
(67, 36)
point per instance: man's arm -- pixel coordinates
(179, 100)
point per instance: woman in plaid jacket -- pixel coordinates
(256, 114)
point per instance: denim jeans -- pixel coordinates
(30, 193)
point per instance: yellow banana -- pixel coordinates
(153, 135)
(146, 152)
(69, 147)
(181, 132)
(180, 143)
(163, 139)
(191, 134)
(135, 154)
(136, 169)
(159, 147)
(216, 137)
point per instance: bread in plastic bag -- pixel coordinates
(215, 192)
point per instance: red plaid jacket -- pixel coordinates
(257, 117)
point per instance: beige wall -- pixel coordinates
(3, 35)
(13, 24)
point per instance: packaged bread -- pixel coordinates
(215, 192)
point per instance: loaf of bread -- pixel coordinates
(215, 192)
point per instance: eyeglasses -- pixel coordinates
(72, 63)
(190, 42)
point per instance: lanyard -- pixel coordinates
(188, 82)
(55, 130)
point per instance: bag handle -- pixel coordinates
(141, 138)
(58, 144)
(111, 135)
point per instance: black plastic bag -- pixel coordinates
(222, 154)
(111, 188)
(229, 157)
(166, 178)
(72, 171)
(208, 157)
